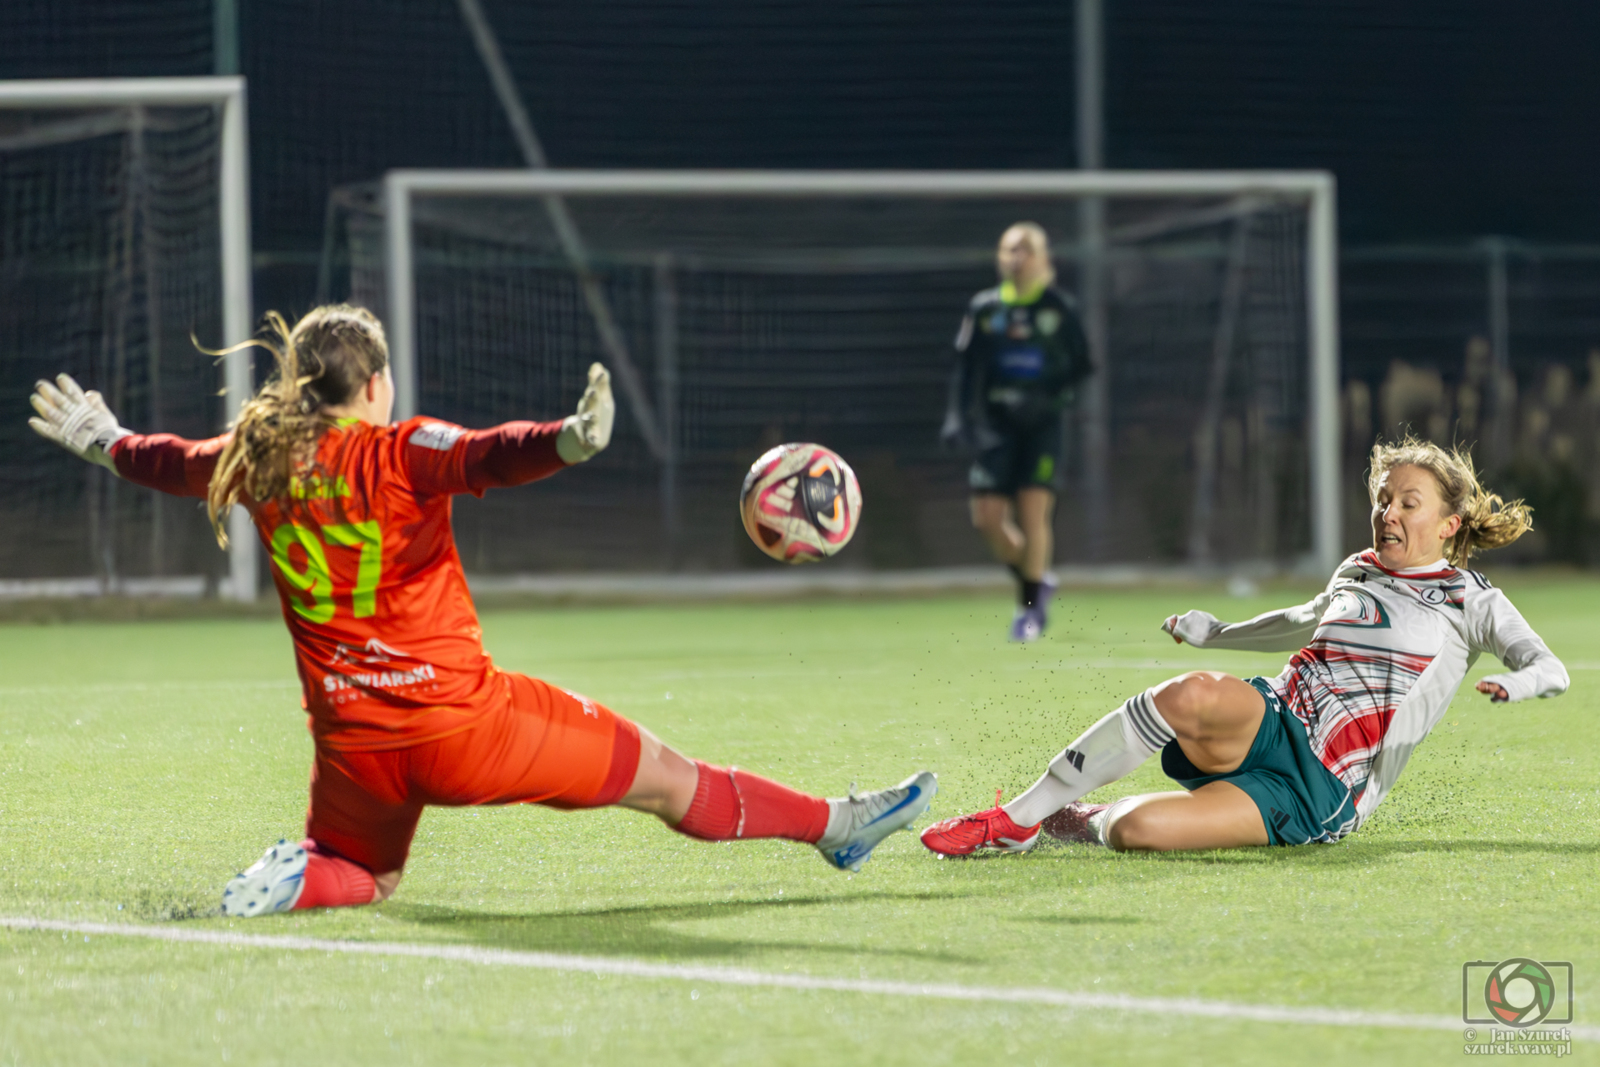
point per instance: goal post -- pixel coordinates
(629, 218)
(102, 102)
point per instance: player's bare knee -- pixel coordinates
(1134, 830)
(986, 518)
(1182, 701)
(1188, 699)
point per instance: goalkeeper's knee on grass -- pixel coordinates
(291, 877)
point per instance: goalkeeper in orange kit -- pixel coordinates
(405, 706)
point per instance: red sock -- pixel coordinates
(333, 881)
(731, 804)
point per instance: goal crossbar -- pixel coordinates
(1315, 189)
(227, 94)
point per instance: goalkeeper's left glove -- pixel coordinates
(589, 431)
(78, 421)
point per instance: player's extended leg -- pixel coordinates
(1036, 512)
(1217, 815)
(992, 517)
(725, 804)
(1036, 509)
(1212, 716)
(995, 516)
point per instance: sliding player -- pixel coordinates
(1020, 354)
(405, 706)
(1306, 756)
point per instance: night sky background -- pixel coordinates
(1444, 120)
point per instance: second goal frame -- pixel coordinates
(227, 95)
(1315, 189)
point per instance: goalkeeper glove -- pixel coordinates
(78, 421)
(589, 431)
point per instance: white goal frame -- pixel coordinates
(227, 94)
(1316, 189)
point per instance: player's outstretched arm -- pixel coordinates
(1284, 630)
(78, 421)
(81, 423)
(440, 458)
(1499, 629)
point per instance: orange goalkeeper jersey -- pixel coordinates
(386, 638)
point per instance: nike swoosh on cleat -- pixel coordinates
(911, 798)
(852, 856)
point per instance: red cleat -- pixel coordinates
(992, 830)
(1071, 823)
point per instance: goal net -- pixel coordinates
(741, 311)
(110, 259)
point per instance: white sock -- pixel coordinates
(1108, 750)
(838, 824)
(1100, 822)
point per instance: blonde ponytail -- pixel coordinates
(1487, 521)
(328, 355)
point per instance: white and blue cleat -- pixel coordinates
(271, 885)
(858, 824)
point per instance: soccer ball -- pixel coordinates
(800, 503)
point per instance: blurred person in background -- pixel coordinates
(1020, 355)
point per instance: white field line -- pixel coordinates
(553, 961)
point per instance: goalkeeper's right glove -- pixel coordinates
(78, 421)
(589, 431)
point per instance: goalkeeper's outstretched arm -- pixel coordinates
(513, 453)
(81, 423)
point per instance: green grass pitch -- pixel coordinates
(141, 764)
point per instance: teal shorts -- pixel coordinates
(1300, 800)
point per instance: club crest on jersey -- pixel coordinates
(1353, 607)
(372, 654)
(1049, 321)
(1452, 595)
(439, 436)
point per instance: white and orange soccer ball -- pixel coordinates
(801, 503)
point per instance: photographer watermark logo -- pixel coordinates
(1516, 992)
(1525, 1003)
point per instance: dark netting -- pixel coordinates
(109, 258)
(831, 319)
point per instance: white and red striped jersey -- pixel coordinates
(1381, 655)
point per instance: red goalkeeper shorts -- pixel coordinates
(542, 746)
